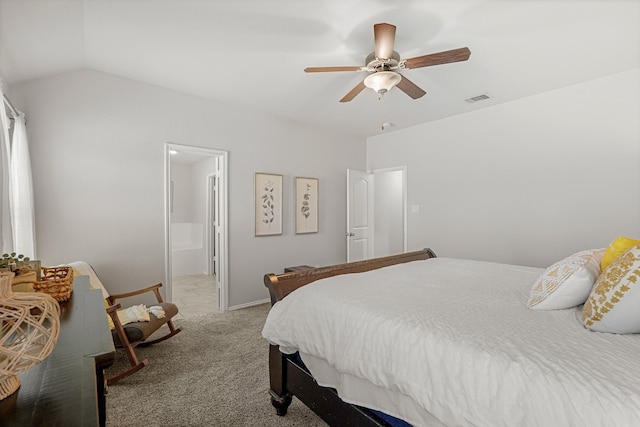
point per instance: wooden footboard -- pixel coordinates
(281, 285)
(288, 378)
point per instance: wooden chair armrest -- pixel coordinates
(155, 289)
(113, 308)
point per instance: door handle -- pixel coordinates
(349, 234)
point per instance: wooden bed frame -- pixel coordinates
(288, 376)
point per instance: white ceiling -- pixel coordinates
(252, 53)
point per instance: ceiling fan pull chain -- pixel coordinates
(381, 112)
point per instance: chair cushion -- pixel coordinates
(140, 331)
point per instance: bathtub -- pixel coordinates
(187, 248)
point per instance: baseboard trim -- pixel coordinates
(249, 304)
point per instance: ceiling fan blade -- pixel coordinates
(330, 69)
(353, 92)
(385, 36)
(445, 57)
(410, 88)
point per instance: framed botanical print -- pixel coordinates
(306, 190)
(268, 204)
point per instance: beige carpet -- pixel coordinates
(213, 373)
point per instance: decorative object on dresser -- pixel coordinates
(56, 281)
(26, 270)
(29, 328)
(13, 262)
(268, 204)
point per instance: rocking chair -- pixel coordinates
(135, 334)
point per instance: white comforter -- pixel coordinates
(453, 338)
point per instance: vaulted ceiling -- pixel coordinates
(252, 53)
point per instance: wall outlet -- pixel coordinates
(415, 208)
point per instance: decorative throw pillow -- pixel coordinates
(613, 303)
(566, 283)
(615, 249)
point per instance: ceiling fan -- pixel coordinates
(383, 63)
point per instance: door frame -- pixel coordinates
(223, 206)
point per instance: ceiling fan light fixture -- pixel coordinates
(382, 81)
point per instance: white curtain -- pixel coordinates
(16, 200)
(5, 150)
(21, 191)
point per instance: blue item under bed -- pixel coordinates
(393, 421)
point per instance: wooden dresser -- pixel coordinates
(68, 387)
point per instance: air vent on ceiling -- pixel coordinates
(477, 98)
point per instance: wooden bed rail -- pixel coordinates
(281, 285)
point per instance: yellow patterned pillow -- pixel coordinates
(566, 283)
(615, 249)
(613, 305)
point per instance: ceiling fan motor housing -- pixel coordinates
(382, 64)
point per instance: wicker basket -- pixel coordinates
(57, 282)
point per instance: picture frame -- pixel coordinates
(268, 204)
(306, 190)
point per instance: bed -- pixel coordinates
(414, 339)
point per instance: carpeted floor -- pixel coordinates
(213, 373)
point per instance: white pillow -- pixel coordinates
(566, 283)
(613, 305)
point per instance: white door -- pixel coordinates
(359, 215)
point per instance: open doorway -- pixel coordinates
(196, 259)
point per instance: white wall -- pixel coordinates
(183, 193)
(526, 182)
(187, 216)
(98, 160)
(388, 213)
(200, 171)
